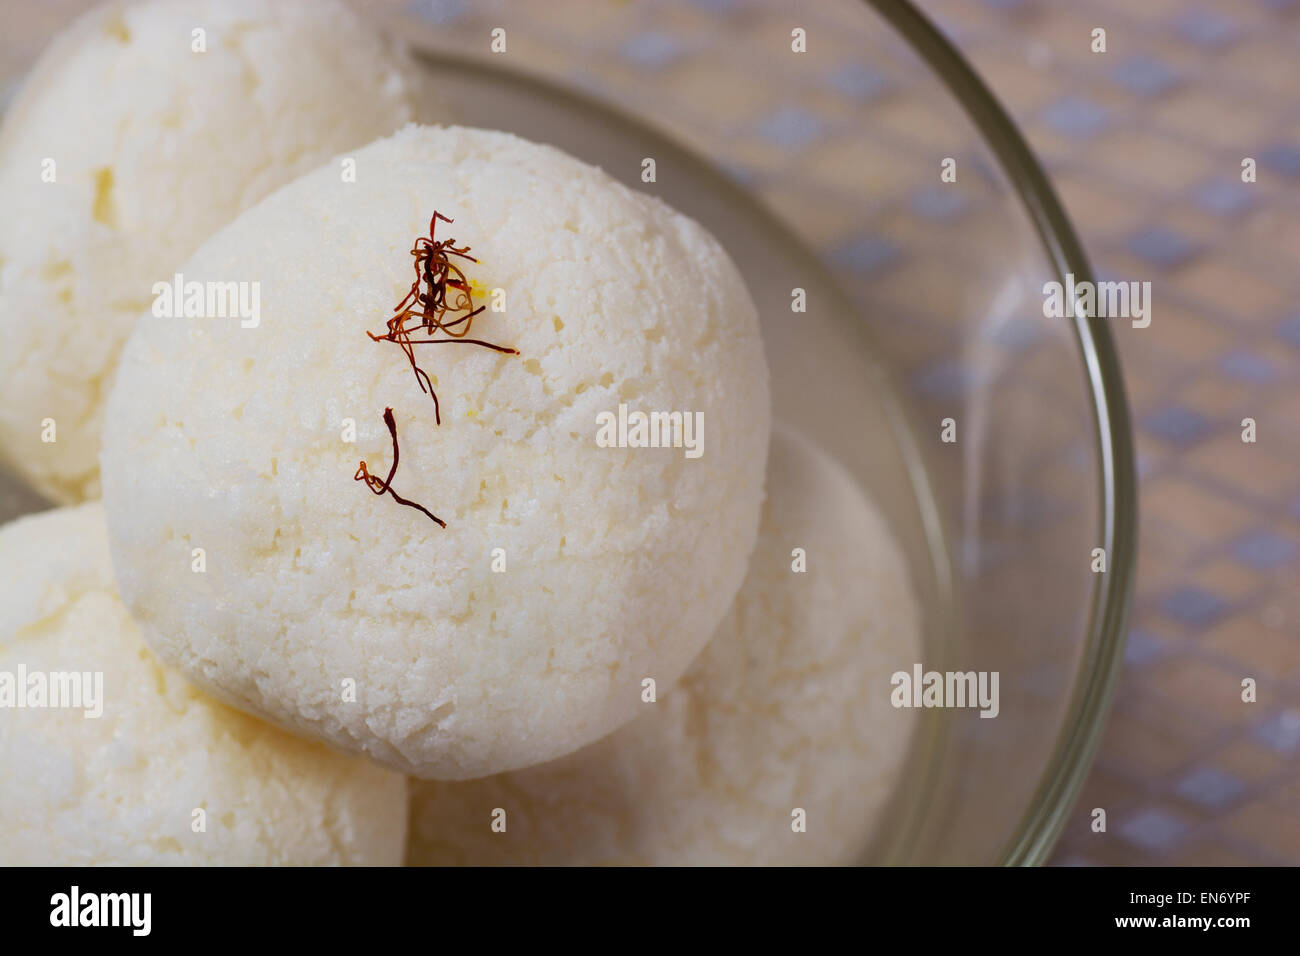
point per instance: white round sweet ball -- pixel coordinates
(126, 148)
(787, 708)
(568, 572)
(118, 778)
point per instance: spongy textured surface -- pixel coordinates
(154, 147)
(788, 707)
(618, 562)
(122, 788)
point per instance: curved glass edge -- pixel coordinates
(1103, 653)
(928, 740)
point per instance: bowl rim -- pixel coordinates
(1085, 717)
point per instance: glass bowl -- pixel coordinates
(821, 170)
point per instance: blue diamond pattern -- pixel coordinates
(1206, 28)
(1154, 829)
(1177, 424)
(1145, 76)
(865, 253)
(1281, 732)
(1264, 550)
(1142, 647)
(1076, 116)
(938, 202)
(1248, 367)
(858, 81)
(1210, 788)
(1162, 247)
(1194, 606)
(1290, 331)
(1282, 157)
(1224, 197)
(792, 127)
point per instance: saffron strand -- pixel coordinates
(427, 303)
(385, 486)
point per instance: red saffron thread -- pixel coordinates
(385, 486)
(425, 312)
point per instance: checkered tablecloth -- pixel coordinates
(1145, 144)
